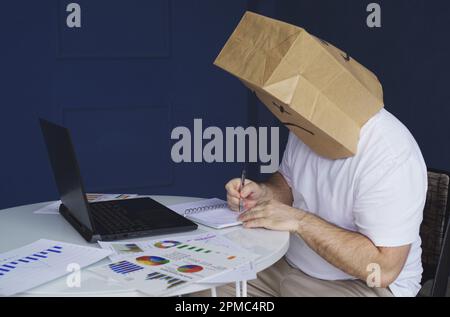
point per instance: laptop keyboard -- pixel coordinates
(114, 218)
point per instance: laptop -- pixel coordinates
(107, 220)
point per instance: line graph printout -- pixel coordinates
(40, 262)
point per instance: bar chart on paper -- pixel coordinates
(181, 246)
(125, 267)
(35, 260)
(40, 262)
(170, 281)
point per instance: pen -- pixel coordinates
(241, 201)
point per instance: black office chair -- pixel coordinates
(435, 234)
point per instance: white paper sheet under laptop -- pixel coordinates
(213, 213)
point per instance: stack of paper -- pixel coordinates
(159, 267)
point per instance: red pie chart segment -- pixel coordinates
(152, 260)
(190, 268)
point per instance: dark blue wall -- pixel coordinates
(136, 69)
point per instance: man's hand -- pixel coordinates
(252, 193)
(273, 215)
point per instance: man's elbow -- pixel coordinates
(387, 279)
(382, 277)
(388, 276)
(393, 260)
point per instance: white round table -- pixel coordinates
(20, 226)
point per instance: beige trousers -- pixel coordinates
(283, 280)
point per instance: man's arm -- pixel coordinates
(349, 251)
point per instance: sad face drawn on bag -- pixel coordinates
(289, 124)
(318, 91)
(282, 111)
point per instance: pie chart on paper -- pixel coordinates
(190, 268)
(166, 244)
(152, 260)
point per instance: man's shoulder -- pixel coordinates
(386, 142)
(382, 134)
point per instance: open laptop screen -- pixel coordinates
(66, 170)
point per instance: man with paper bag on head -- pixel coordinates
(352, 183)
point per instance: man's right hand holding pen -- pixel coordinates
(251, 194)
(267, 205)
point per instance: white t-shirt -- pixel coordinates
(380, 192)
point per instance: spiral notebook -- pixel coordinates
(213, 213)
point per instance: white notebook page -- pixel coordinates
(203, 212)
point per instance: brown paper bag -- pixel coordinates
(318, 91)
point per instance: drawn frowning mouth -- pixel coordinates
(297, 126)
(283, 110)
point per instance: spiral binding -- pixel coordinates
(196, 210)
